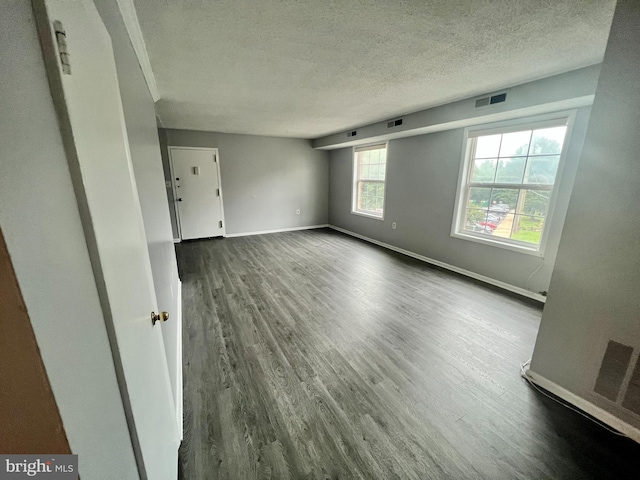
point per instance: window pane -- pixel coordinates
(514, 144)
(548, 140)
(479, 197)
(371, 197)
(496, 217)
(527, 229)
(534, 202)
(542, 170)
(367, 196)
(503, 227)
(524, 161)
(484, 170)
(503, 199)
(370, 168)
(382, 171)
(510, 170)
(475, 220)
(380, 198)
(488, 146)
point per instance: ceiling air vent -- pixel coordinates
(394, 123)
(352, 133)
(492, 100)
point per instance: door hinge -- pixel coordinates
(220, 223)
(61, 40)
(217, 192)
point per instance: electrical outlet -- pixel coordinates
(298, 211)
(393, 225)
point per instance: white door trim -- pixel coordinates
(215, 152)
(131, 23)
(179, 382)
(112, 225)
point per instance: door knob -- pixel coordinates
(179, 199)
(156, 317)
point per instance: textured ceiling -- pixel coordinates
(307, 68)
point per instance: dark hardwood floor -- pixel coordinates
(315, 355)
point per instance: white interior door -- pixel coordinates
(198, 193)
(92, 122)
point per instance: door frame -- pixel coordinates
(170, 148)
(51, 57)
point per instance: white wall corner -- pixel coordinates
(130, 18)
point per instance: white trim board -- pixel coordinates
(462, 271)
(585, 405)
(130, 18)
(179, 382)
(278, 230)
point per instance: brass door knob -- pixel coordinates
(162, 316)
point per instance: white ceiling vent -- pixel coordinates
(492, 100)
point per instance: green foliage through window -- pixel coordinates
(509, 184)
(370, 166)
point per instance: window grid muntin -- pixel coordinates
(359, 181)
(469, 184)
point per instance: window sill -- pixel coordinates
(368, 215)
(536, 252)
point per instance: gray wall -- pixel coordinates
(265, 179)
(560, 92)
(42, 228)
(595, 289)
(422, 179)
(140, 119)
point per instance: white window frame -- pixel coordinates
(354, 183)
(537, 121)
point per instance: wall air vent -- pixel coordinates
(632, 397)
(613, 370)
(492, 100)
(352, 133)
(394, 123)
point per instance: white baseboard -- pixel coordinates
(176, 240)
(179, 395)
(586, 406)
(462, 271)
(262, 232)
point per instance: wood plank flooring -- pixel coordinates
(313, 355)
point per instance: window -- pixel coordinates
(369, 172)
(507, 184)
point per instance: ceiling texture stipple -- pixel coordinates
(309, 68)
